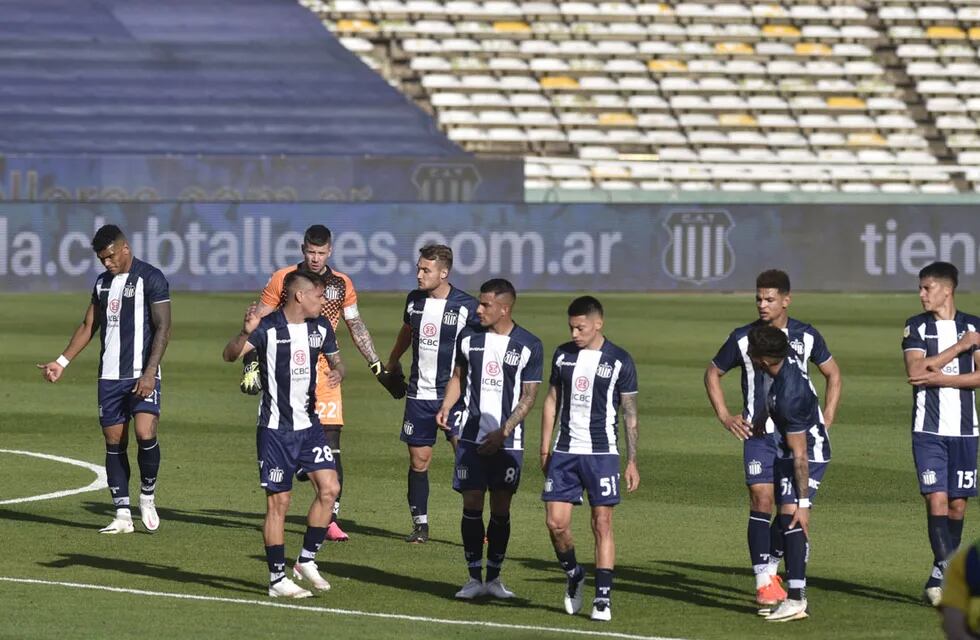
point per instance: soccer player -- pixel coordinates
(590, 379)
(500, 369)
(753, 426)
(941, 356)
(289, 343)
(803, 453)
(435, 315)
(339, 297)
(130, 307)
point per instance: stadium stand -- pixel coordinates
(246, 77)
(853, 96)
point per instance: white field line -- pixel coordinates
(99, 482)
(341, 612)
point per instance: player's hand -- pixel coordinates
(738, 426)
(442, 418)
(928, 378)
(492, 443)
(145, 386)
(970, 340)
(632, 477)
(802, 518)
(252, 318)
(545, 461)
(51, 371)
(334, 378)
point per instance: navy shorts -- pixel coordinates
(945, 463)
(419, 426)
(569, 474)
(282, 453)
(498, 472)
(118, 403)
(785, 485)
(758, 458)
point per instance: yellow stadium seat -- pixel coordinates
(616, 119)
(974, 33)
(866, 140)
(558, 82)
(780, 31)
(812, 49)
(667, 65)
(511, 26)
(737, 120)
(734, 48)
(942, 32)
(356, 26)
(845, 102)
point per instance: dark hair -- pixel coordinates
(584, 306)
(773, 279)
(439, 253)
(106, 235)
(499, 287)
(766, 341)
(941, 271)
(294, 280)
(317, 235)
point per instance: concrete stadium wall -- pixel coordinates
(665, 247)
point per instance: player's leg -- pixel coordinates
(962, 485)
(326, 487)
(504, 472)
(931, 456)
(334, 532)
(765, 540)
(146, 418)
(114, 418)
(562, 490)
(419, 433)
(469, 480)
(601, 476)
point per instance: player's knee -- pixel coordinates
(557, 526)
(761, 501)
(328, 489)
(957, 508)
(602, 524)
(279, 502)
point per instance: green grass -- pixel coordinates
(682, 562)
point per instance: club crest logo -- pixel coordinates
(446, 182)
(450, 317)
(797, 346)
(928, 477)
(462, 473)
(754, 467)
(316, 340)
(699, 250)
(604, 370)
(331, 292)
(408, 428)
(129, 290)
(512, 358)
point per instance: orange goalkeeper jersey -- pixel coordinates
(339, 299)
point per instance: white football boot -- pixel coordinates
(573, 595)
(286, 588)
(496, 589)
(788, 610)
(472, 589)
(122, 523)
(309, 571)
(148, 513)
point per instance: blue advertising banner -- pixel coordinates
(234, 247)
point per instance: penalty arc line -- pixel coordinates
(100, 481)
(342, 612)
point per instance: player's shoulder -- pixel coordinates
(798, 326)
(613, 350)
(918, 320)
(145, 270)
(462, 298)
(567, 348)
(416, 297)
(741, 331)
(968, 318)
(340, 275)
(274, 319)
(524, 337)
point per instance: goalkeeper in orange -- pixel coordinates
(339, 299)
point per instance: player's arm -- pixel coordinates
(548, 414)
(495, 439)
(239, 345)
(801, 474)
(931, 377)
(736, 424)
(337, 369)
(453, 392)
(361, 337)
(160, 315)
(919, 364)
(78, 341)
(832, 376)
(402, 342)
(631, 421)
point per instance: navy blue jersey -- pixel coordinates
(494, 367)
(590, 383)
(436, 327)
(944, 411)
(807, 346)
(288, 354)
(122, 309)
(794, 408)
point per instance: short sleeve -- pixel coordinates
(627, 377)
(409, 304)
(729, 355)
(555, 379)
(463, 352)
(95, 292)
(272, 294)
(820, 353)
(329, 346)
(157, 288)
(258, 338)
(956, 591)
(535, 363)
(911, 340)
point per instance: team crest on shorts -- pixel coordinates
(462, 472)
(276, 474)
(928, 477)
(549, 484)
(754, 467)
(408, 428)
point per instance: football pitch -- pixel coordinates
(681, 554)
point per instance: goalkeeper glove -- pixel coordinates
(392, 381)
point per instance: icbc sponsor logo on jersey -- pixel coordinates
(299, 360)
(114, 305)
(492, 378)
(427, 339)
(581, 393)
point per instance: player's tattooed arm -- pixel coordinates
(529, 394)
(160, 315)
(631, 420)
(337, 370)
(362, 338)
